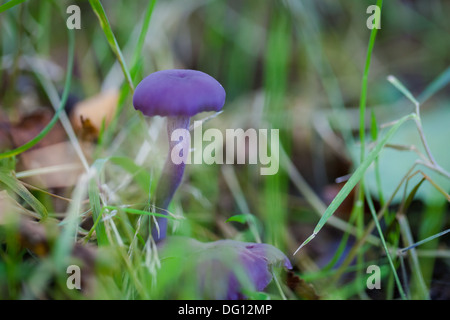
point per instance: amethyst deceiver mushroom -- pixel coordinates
(178, 95)
(224, 269)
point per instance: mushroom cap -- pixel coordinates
(178, 92)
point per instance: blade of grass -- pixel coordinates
(342, 246)
(64, 244)
(418, 121)
(433, 219)
(10, 4)
(12, 183)
(434, 214)
(400, 87)
(414, 261)
(124, 92)
(374, 135)
(358, 207)
(142, 212)
(140, 43)
(230, 177)
(109, 34)
(94, 200)
(371, 226)
(355, 178)
(440, 234)
(311, 197)
(140, 176)
(363, 97)
(404, 225)
(383, 241)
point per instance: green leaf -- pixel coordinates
(241, 218)
(412, 195)
(107, 30)
(383, 241)
(10, 4)
(94, 200)
(140, 44)
(364, 86)
(135, 66)
(373, 127)
(142, 212)
(396, 83)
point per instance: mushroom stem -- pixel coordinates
(172, 174)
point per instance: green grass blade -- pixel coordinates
(136, 63)
(107, 30)
(67, 238)
(241, 218)
(142, 212)
(396, 83)
(94, 200)
(358, 208)
(55, 118)
(363, 97)
(355, 178)
(383, 241)
(139, 175)
(440, 234)
(14, 185)
(373, 127)
(10, 4)
(421, 290)
(140, 43)
(411, 196)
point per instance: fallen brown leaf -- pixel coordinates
(88, 115)
(61, 157)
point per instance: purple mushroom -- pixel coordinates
(224, 269)
(178, 95)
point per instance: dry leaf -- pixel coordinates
(61, 157)
(89, 114)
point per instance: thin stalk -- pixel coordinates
(359, 204)
(407, 238)
(110, 37)
(363, 98)
(369, 229)
(440, 234)
(388, 255)
(172, 173)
